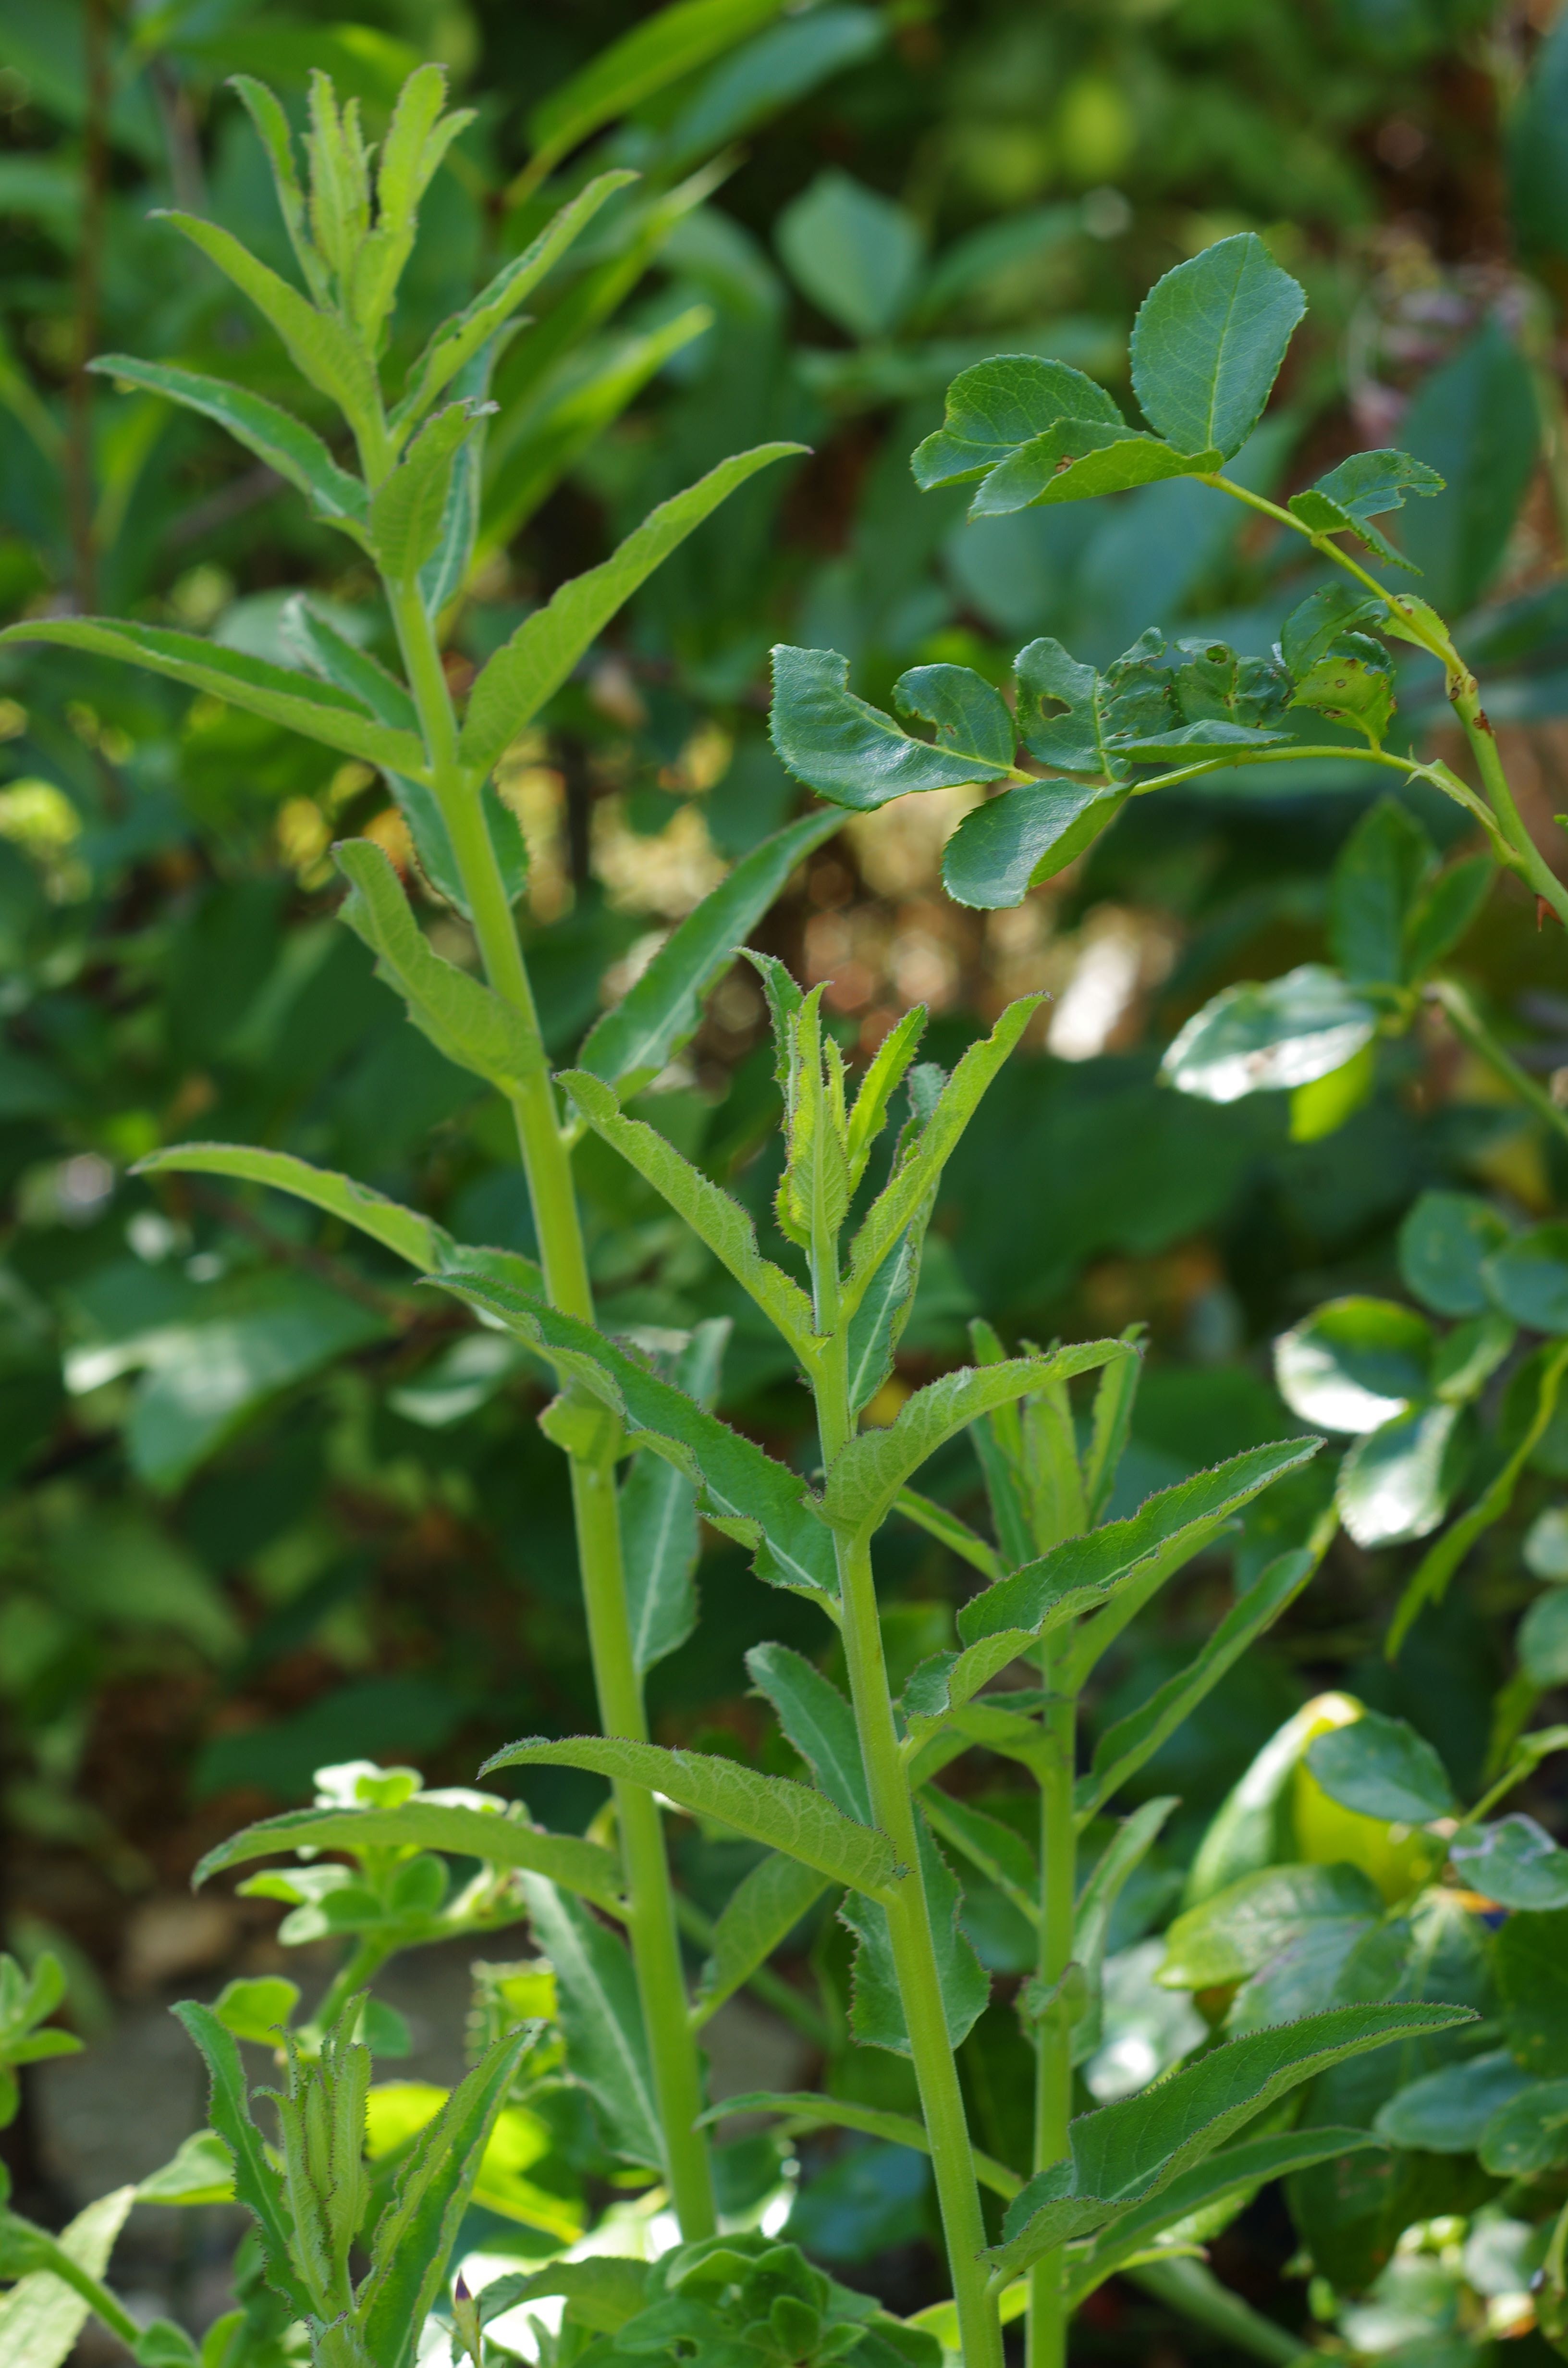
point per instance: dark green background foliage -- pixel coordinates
(270, 1505)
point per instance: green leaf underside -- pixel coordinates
(742, 1491)
(1139, 1552)
(601, 2019)
(1288, 1032)
(1077, 460)
(533, 665)
(1130, 2151)
(758, 1918)
(299, 701)
(410, 1235)
(1208, 343)
(877, 2017)
(274, 435)
(495, 1838)
(998, 405)
(632, 1042)
(774, 1810)
(660, 1536)
(465, 1020)
(805, 2110)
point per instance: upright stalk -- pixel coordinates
(652, 1927)
(1047, 2331)
(892, 1807)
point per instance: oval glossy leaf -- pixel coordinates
(1546, 1545)
(1009, 845)
(1444, 1243)
(1381, 1768)
(1515, 1861)
(1257, 1039)
(1354, 1364)
(1529, 1278)
(850, 751)
(1237, 1931)
(1448, 2111)
(1397, 1483)
(1209, 341)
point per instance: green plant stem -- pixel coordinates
(358, 1971)
(1048, 2311)
(909, 1921)
(1188, 2287)
(655, 1939)
(763, 1983)
(1472, 1030)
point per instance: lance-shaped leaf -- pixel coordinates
(457, 342)
(1009, 845)
(409, 508)
(322, 349)
(998, 405)
(759, 1916)
(257, 2184)
(315, 709)
(773, 1810)
(645, 1030)
(495, 1837)
(955, 1535)
(663, 48)
(272, 129)
(1130, 2151)
(865, 1478)
(1122, 1857)
(413, 2244)
(918, 1169)
(877, 2017)
(855, 753)
(882, 1314)
(1125, 1745)
(804, 2109)
(660, 1538)
(945, 1682)
(1288, 1032)
(1131, 1557)
(274, 435)
(1236, 2172)
(405, 1232)
(465, 1020)
(744, 1493)
(601, 2019)
(1002, 1856)
(533, 665)
(717, 1220)
(818, 1721)
(1209, 341)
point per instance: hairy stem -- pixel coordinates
(1047, 2345)
(656, 1940)
(358, 1971)
(1472, 1030)
(909, 1920)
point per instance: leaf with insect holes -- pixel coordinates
(529, 670)
(641, 1034)
(1208, 343)
(278, 439)
(773, 1810)
(315, 709)
(855, 753)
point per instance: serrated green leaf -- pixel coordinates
(773, 1810)
(970, 715)
(866, 1476)
(600, 2293)
(1268, 1038)
(719, 1221)
(257, 2184)
(818, 1721)
(877, 2017)
(1320, 516)
(532, 666)
(744, 1493)
(465, 1020)
(1381, 1768)
(408, 507)
(998, 405)
(1208, 343)
(1049, 678)
(1124, 1747)
(1234, 1932)
(919, 1167)
(1002, 1856)
(601, 2019)
(1309, 630)
(645, 1030)
(1527, 2135)
(660, 1537)
(322, 349)
(854, 752)
(496, 1838)
(1128, 2152)
(947, 1680)
(1076, 459)
(1369, 483)
(272, 129)
(274, 435)
(201, 2171)
(313, 708)
(1530, 1957)
(1005, 847)
(411, 2247)
(759, 1916)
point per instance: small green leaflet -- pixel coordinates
(495, 1838)
(1381, 1768)
(532, 666)
(465, 1020)
(1127, 2152)
(774, 1810)
(315, 709)
(852, 752)
(744, 1492)
(635, 1041)
(1362, 488)
(1209, 341)
(1004, 848)
(274, 435)
(1515, 1861)
(759, 1916)
(998, 405)
(660, 1537)
(601, 2019)
(408, 507)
